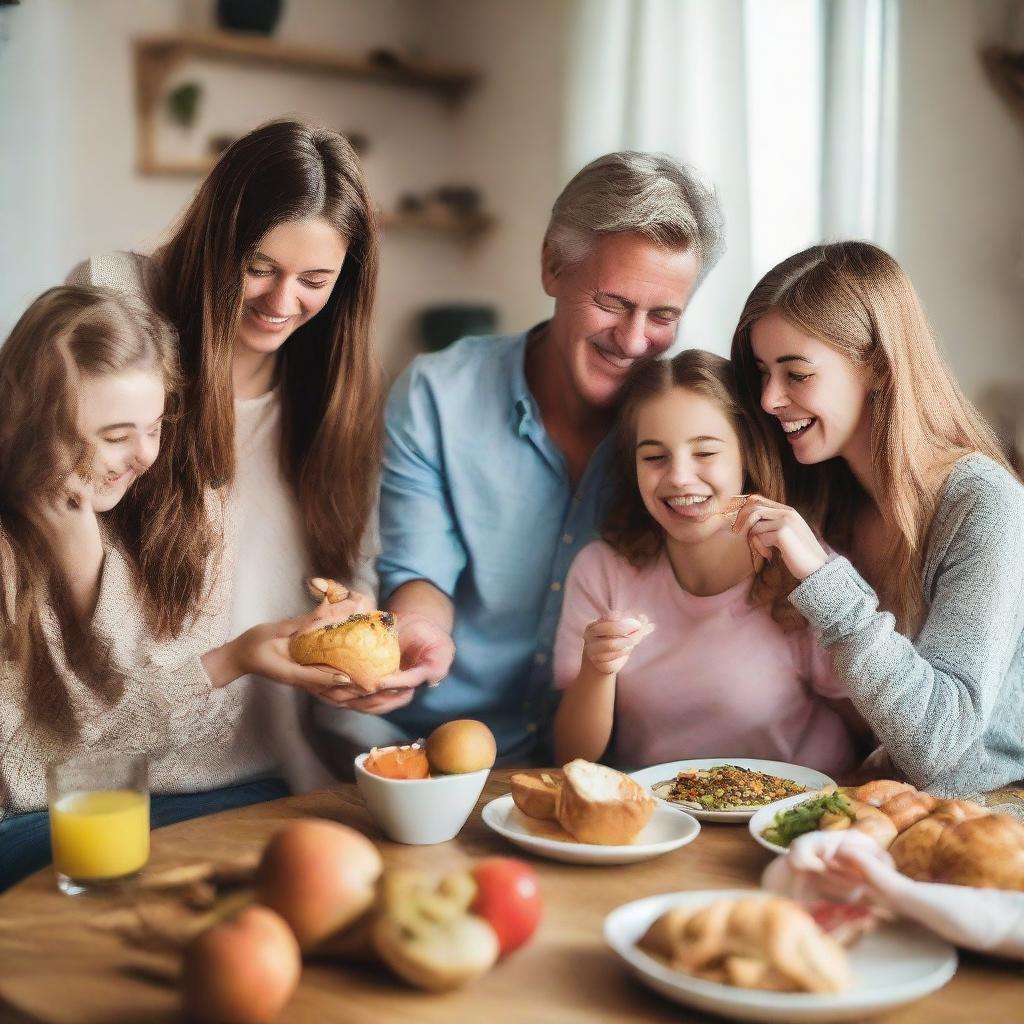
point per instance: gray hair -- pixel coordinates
(650, 194)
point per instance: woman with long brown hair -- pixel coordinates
(891, 464)
(101, 644)
(270, 280)
(730, 665)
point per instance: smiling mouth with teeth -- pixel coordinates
(267, 318)
(797, 428)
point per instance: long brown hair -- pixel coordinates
(330, 384)
(856, 298)
(629, 528)
(66, 335)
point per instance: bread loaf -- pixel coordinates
(597, 804)
(536, 795)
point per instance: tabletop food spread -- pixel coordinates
(251, 936)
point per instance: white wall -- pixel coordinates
(960, 203)
(69, 187)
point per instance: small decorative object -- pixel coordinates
(259, 16)
(183, 103)
(382, 58)
(441, 325)
(409, 202)
(462, 200)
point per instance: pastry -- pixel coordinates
(599, 805)
(913, 849)
(986, 851)
(364, 647)
(536, 795)
(758, 942)
(908, 808)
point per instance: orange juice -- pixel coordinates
(101, 834)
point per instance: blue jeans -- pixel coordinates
(25, 838)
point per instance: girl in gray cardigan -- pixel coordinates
(889, 463)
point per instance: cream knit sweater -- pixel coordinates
(194, 736)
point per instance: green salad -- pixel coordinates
(807, 817)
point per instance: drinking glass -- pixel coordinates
(99, 821)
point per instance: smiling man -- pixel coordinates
(496, 452)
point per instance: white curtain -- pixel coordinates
(788, 106)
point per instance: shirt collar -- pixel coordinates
(524, 405)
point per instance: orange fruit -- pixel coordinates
(408, 762)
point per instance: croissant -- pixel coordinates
(913, 849)
(760, 942)
(986, 851)
(873, 822)
(878, 792)
(908, 808)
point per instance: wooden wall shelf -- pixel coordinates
(1006, 72)
(157, 56)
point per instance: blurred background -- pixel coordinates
(901, 121)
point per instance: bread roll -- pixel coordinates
(912, 851)
(905, 809)
(879, 791)
(874, 823)
(986, 852)
(599, 805)
(536, 795)
(364, 647)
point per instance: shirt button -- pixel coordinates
(531, 727)
(556, 586)
(540, 658)
(566, 538)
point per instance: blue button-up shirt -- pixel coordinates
(476, 498)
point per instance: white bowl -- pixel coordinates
(420, 811)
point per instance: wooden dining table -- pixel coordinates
(58, 965)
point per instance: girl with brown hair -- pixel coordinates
(270, 279)
(731, 667)
(887, 460)
(101, 639)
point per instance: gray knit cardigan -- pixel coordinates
(948, 706)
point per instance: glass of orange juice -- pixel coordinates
(99, 821)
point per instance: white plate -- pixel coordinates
(893, 965)
(663, 772)
(766, 816)
(667, 830)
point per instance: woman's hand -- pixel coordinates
(68, 521)
(608, 643)
(769, 526)
(427, 653)
(263, 651)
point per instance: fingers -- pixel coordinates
(316, 678)
(321, 589)
(381, 703)
(618, 625)
(412, 677)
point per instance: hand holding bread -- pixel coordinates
(608, 642)
(363, 647)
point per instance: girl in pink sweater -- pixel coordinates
(675, 642)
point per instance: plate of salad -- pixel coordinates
(778, 824)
